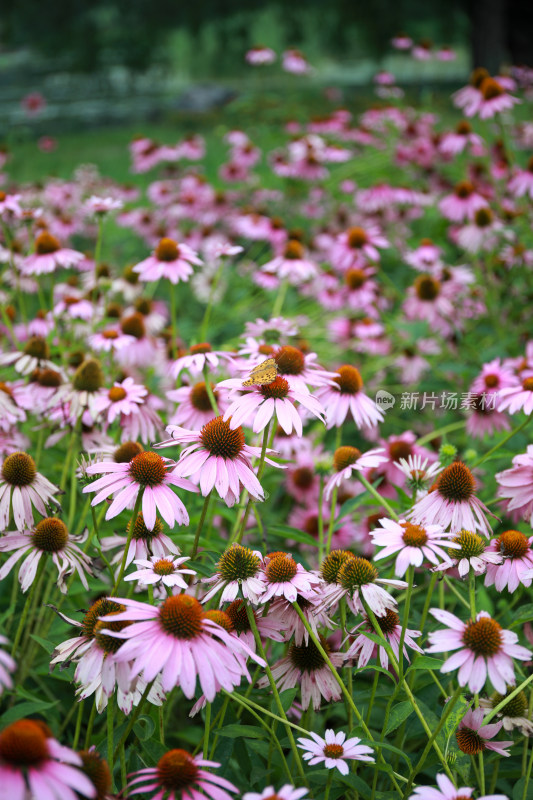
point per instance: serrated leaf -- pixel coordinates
(236, 731)
(399, 714)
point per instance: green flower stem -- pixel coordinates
(68, 459)
(453, 426)
(349, 677)
(173, 313)
(472, 591)
(207, 315)
(260, 650)
(451, 587)
(368, 486)
(528, 775)
(123, 772)
(407, 605)
(90, 724)
(372, 697)
(496, 710)
(280, 298)
(328, 785)
(128, 541)
(220, 719)
(332, 518)
(260, 471)
(421, 761)
(494, 778)
(110, 731)
(31, 600)
(268, 713)
(407, 689)
(346, 693)
(200, 526)
(321, 519)
(501, 443)
(78, 725)
(206, 731)
(209, 390)
(272, 735)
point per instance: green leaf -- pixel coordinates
(236, 731)
(25, 709)
(399, 714)
(286, 532)
(287, 699)
(393, 749)
(45, 644)
(374, 668)
(425, 662)
(144, 728)
(518, 790)
(355, 782)
(523, 614)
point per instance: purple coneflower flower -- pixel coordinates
(180, 776)
(238, 571)
(473, 552)
(516, 485)
(347, 460)
(473, 737)
(147, 472)
(283, 577)
(356, 579)
(484, 650)
(49, 255)
(164, 570)
(413, 543)
(21, 489)
(345, 396)
(516, 564)
(34, 764)
(363, 649)
(7, 665)
(334, 750)
(170, 260)
(449, 792)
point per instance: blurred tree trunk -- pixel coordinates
(520, 31)
(487, 32)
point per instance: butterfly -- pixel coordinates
(262, 374)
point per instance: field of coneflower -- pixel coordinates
(266, 487)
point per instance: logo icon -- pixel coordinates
(385, 400)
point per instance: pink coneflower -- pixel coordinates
(363, 649)
(304, 666)
(484, 419)
(259, 55)
(345, 396)
(144, 543)
(235, 619)
(7, 665)
(73, 305)
(418, 471)
(479, 233)
(123, 399)
(299, 369)
(398, 447)
(166, 570)
(463, 203)
(348, 459)
(80, 395)
(449, 792)
(357, 246)
(473, 737)
(283, 615)
(179, 641)
(179, 776)
(194, 406)
(295, 62)
(514, 714)
(97, 672)
(217, 458)
(521, 184)
(102, 205)
(10, 413)
(49, 255)
(283, 577)
(287, 792)
(516, 565)
(402, 42)
(452, 502)
(199, 356)
(34, 764)
(356, 579)
(451, 144)
(518, 397)
(22, 488)
(292, 265)
(109, 339)
(484, 649)
(334, 750)
(169, 260)
(516, 485)
(140, 352)
(413, 543)
(147, 472)
(258, 405)
(493, 99)
(473, 552)
(49, 538)
(34, 355)
(238, 572)
(493, 378)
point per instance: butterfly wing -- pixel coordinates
(262, 374)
